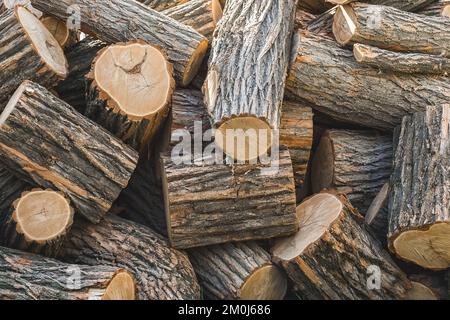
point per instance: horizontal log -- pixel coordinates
(405, 5)
(437, 8)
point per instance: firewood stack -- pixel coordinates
(232, 149)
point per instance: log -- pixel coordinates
(435, 282)
(202, 15)
(238, 271)
(80, 56)
(400, 62)
(419, 217)
(439, 8)
(27, 51)
(160, 272)
(357, 163)
(45, 140)
(405, 5)
(217, 203)
(314, 6)
(333, 257)
(130, 91)
(121, 21)
(392, 29)
(25, 276)
(10, 4)
(377, 215)
(323, 23)
(244, 97)
(161, 5)
(38, 222)
(420, 291)
(10, 189)
(329, 78)
(60, 32)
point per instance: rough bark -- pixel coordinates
(160, 272)
(80, 57)
(437, 8)
(247, 68)
(342, 261)
(9, 4)
(49, 142)
(217, 203)
(331, 80)
(121, 21)
(405, 5)
(202, 15)
(160, 5)
(392, 29)
(10, 189)
(19, 58)
(400, 62)
(237, 271)
(25, 276)
(419, 207)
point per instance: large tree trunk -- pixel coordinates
(392, 29)
(400, 62)
(160, 272)
(405, 5)
(241, 93)
(329, 77)
(124, 96)
(218, 203)
(238, 271)
(334, 257)
(419, 216)
(38, 222)
(356, 163)
(25, 276)
(120, 21)
(27, 51)
(45, 139)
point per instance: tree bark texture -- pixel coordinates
(405, 5)
(437, 8)
(160, 5)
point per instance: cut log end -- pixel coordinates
(419, 291)
(344, 24)
(195, 62)
(361, 52)
(140, 68)
(43, 42)
(446, 11)
(57, 28)
(428, 248)
(244, 138)
(121, 287)
(315, 215)
(266, 283)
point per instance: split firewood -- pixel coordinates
(80, 56)
(130, 91)
(49, 142)
(218, 203)
(27, 51)
(329, 78)
(314, 6)
(26, 276)
(202, 15)
(160, 272)
(400, 62)
(392, 29)
(238, 271)
(38, 222)
(333, 257)
(60, 31)
(357, 163)
(244, 97)
(405, 5)
(419, 211)
(184, 46)
(377, 215)
(439, 8)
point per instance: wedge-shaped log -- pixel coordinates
(27, 51)
(121, 21)
(160, 273)
(419, 208)
(333, 257)
(49, 142)
(246, 74)
(392, 29)
(335, 84)
(238, 271)
(26, 276)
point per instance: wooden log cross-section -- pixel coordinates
(246, 74)
(419, 207)
(333, 257)
(27, 51)
(238, 271)
(38, 222)
(26, 276)
(44, 139)
(130, 91)
(392, 29)
(121, 21)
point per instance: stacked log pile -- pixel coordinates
(238, 149)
